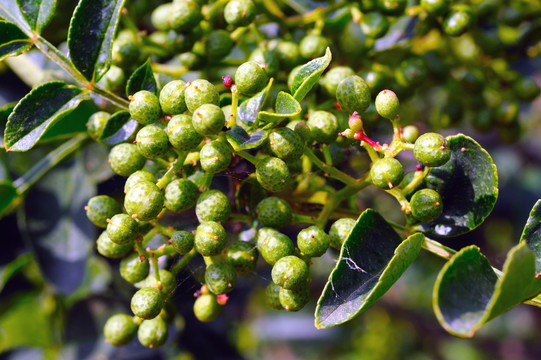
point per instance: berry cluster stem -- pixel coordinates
(332, 171)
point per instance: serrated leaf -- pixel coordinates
(468, 185)
(37, 13)
(90, 37)
(119, 128)
(372, 259)
(286, 106)
(9, 197)
(241, 140)
(142, 79)
(13, 41)
(249, 193)
(9, 10)
(309, 74)
(38, 111)
(71, 124)
(247, 111)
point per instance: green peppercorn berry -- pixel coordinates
(215, 157)
(267, 59)
(182, 134)
(139, 175)
(250, 78)
(411, 73)
(312, 46)
(313, 241)
(127, 51)
(410, 133)
(387, 104)
(426, 205)
(144, 201)
(220, 277)
(240, 12)
(168, 282)
(153, 333)
(110, 249)
(208, 119)
(213, 205)
(272, 173)
(152, 142)
(392, 7)
(525, 88)
(160, 15)
(459, 19)
(120, 329)
(334, 77)
(242, 255)
(272, 296)
(134, 269)
(353, 94)
(184, 15)
(274, 212)
(339, 231)
(294, 300)
(301, 129)
(387, 173)
(122, 229)
(273, 245)
(201, 92)
(145, 107)
(147, 303)
(288, 54)
(180, 195)
(374, 24)
(210, 238)
(323, 126)
(100, 208)
(172, 99)
(206, 308)
(190, 60)
(125, 159)
(435, 7)
(96, 124)
(182, 241)
(290, 272)
(367, 5)
(431, 150)
(286, 144)
(218, 44)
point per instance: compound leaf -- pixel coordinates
(13, 40)
(142, 79)
(37, 13)
(119, 128)
(309, 74)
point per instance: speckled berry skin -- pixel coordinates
(458, 20)
(139, 175)
(206, 308)
(145, 107)
(147, 303)
(153, 333)
(334, 77)
(122, 229)
(353, 94)
(312, 46)
(290, 272)
(110, 249)
(312, 241)
(96, 124)
(213, 205)
(182, 241)
(272, 296)
(431, 149)
(301, 128)
(182, 134)
(426, 205)
(220, 277)
(201, 92)
(100, 208)
(184, 15)
(294, 300)
(267, 59)
(273, 245)
(339, 231)
(218, 44)
(210, 238)
(167, 280)
(435, 7)
(288, 54)
(272, 173)
(286, 144)
(152, 142)
(172, 99)
(180, 195)
(240, 12)
(125, 159)
(208, 119)
(120, 329)
(132, 269)
(215, 157)
(387, 173)
(387, 104)
(323, 126)
(274, 212)
(250, 78)
(242, 255)
(144, 201)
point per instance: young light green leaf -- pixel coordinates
(247, 111)
(468, 185)
(286, 106)
(118, 129)
(37, 13)
(142, 79)
(309, 74)
(39, 110)
(241, 140)
(90, 37)
(372, 259)
(13, 40)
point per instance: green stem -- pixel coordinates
(418, 178)
(398, 194)
(438, 249)
(244, 218)
(326, 149)
(246, 156)
(303, 219)
(182, 263)
(335, 201)
(374, 156)
(332, 171)
(173, 170)
(156, 268)
(232, 121)
(149, 236)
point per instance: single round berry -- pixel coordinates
(290, 272)
(250, 78)
(431, 150)
(426, 205)
(145, 107)
(184, 15)
(312, 46)
(201, 92)
(215, 157)
(242, 255)
(411, 73)
(240, 12)
(111, 249)
(286, 144)
(210, 238)
(339, 231)
(323, 126)
(152, 142)
(272, 173)
(182, 241)
(153, 333)
(272, 296)
(387, 104)
(387, 173)
(213, 205)
(100, 208)
(267, 59)
(208, 119)
(139, 175)
(301, 128)
(392, 7)
(273, 245)
(115, 79)
(525, 88)
(133, 269)
(288, 54)
(120, 329)
(410, 133)
(206, 308)
(160, 15)
(144, 201)
(122, 229)
(435, 7)
(127, 50)
(172, 97)
(96, 124)
(218, 44)
(294, 300)
(374, 24)
(274, 212)
(353, 94)
(147, 303)
(180, 195)
(182, 134)
(220, 277)
(313, 241)
(334, 77)
(459, 19)
(125, 159)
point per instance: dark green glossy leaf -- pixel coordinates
(38, 111)
(9, 10)
(468, 185)
(241, 140)
(90, 37)
(286, 106)
(120, 127)
(309, 74)
(247, 111)
(249, 194)
(142, 79)
(37, 13)
(71, 124)
(372, 259)
(13, 41)
(9, 197)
